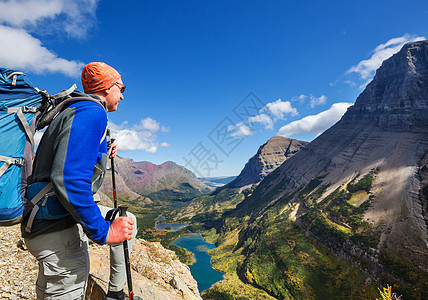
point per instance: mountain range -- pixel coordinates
(359, 190)
(145, 182)
(332, 219)
(268, 157)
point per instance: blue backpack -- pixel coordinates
(23, 110)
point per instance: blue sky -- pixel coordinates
(208, 82)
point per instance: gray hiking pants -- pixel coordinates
(64, 262)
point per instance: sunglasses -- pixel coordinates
(121, 87)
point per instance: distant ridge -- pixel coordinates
(149, 182)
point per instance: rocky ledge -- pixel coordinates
(156, 272)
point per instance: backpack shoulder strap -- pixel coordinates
(51, 114)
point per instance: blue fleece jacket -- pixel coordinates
(72, 148)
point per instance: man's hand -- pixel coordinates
(120, 230)
(113, 150)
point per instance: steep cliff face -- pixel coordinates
(381, 145)
(269, 156)
(167, 181)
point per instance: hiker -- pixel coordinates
(72, 155)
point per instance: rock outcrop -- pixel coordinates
(147, 182)
(156, 272)
(269, 156)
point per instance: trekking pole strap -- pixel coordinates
(35, 201)
(111, 214)
(9, 161)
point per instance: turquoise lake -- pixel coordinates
(201, 269)
(173, 226)
(160, 218)
(176, 204)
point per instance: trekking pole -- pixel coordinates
(113, 177)
(122, 213)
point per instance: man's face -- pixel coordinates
(114, 96)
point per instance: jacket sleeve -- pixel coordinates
(76, 152)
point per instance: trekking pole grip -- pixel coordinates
(109, 143)
(122, 210)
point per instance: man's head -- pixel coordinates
(102, 80)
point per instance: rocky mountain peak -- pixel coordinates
(269, 156)
(168, 165)
(399, 86)
(401, 81)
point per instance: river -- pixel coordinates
(201, 269)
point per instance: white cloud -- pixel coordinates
(366, 68)
(262, 119)
(165, 129)
(241, 130)
(26, 12)
(279, 108)
(300, 98)
(314, 100)
(19, 50)
(128, 139)
(315, 123)
(318, 101)
(275, 110)
(80, 16)
(19, 18)
(152, 149)
(350, 83)
(137, 137)
(149, 124)
(72, 17)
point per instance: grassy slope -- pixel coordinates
(278, 259)
(271, 257)
(281, 261)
